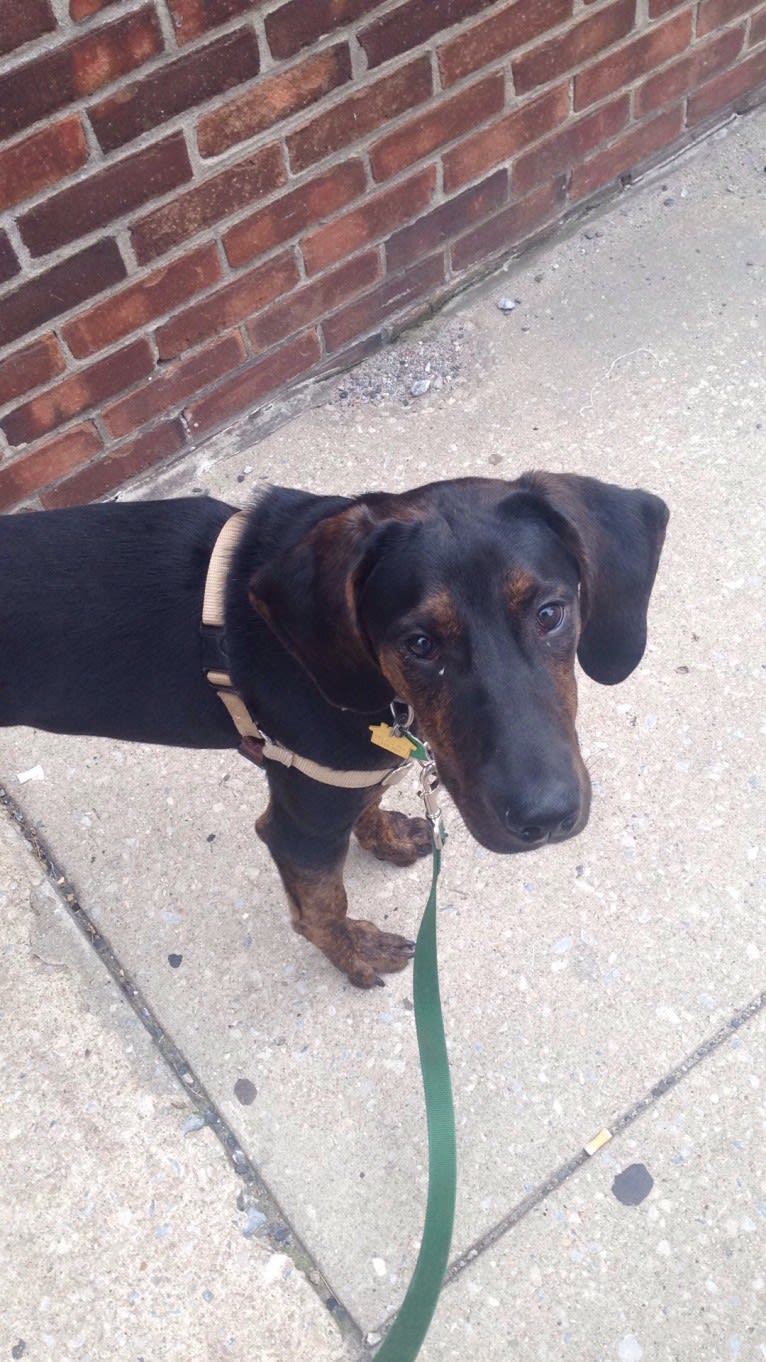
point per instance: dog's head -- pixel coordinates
(469, 600)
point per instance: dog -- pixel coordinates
(466, 600)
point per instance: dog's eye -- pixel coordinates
(420, 645)
(550, 617)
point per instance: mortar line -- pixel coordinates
(633, 1113)
(278, 1232)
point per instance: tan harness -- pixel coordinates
(255, 744)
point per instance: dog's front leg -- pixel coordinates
(311, 867)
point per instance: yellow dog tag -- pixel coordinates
(383, 736)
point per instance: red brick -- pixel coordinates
(215, 198)
(273, 100)
(107, 195)
(731, 87)
(143, 302)
(192, 18)
(624, 67)
(285, 217)
(9, 264)
(621, 158)
(714, 14)
(29, 368)
(514, 224)
(300, 23)
(176, 86)
(40, 160)
(577, 45)
(391, 298)
(313, 302)
(505, 138)
(412, 24)
(451, 218)
(248, 388)
(757, 29)
(83, 9)
(569, 146)
(175, 385)
(448, 120)
(504, 32)
(659, 7)
(26, 475)
(24, 20)
(56, 78)
(371, 221)
(229, 306)
(78, 393)
(117, 467)
(690, 72)
(54, 291)
(361, 114)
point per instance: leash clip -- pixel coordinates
(403, 716)
(429, 785)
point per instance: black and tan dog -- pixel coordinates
(467, 600)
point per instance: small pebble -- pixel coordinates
(420, 386)
(193, 1123)
(35, 773)
(506, 304)
(255, 1222)
(629, 1349)
(592, 233)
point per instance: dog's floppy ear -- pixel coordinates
(616, 535)
(307, 595)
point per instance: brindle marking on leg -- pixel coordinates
(392, 836)
(318, 906)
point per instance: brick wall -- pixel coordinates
(204, 201)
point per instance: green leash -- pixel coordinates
(405, 1337)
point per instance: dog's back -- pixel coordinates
(99, 620)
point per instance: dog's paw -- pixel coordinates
(364, 953)
(392, 836)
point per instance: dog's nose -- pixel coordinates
(555, 815)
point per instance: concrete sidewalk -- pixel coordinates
(615, 981)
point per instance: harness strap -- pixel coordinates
(254, 739)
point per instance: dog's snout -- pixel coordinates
(553, 815)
